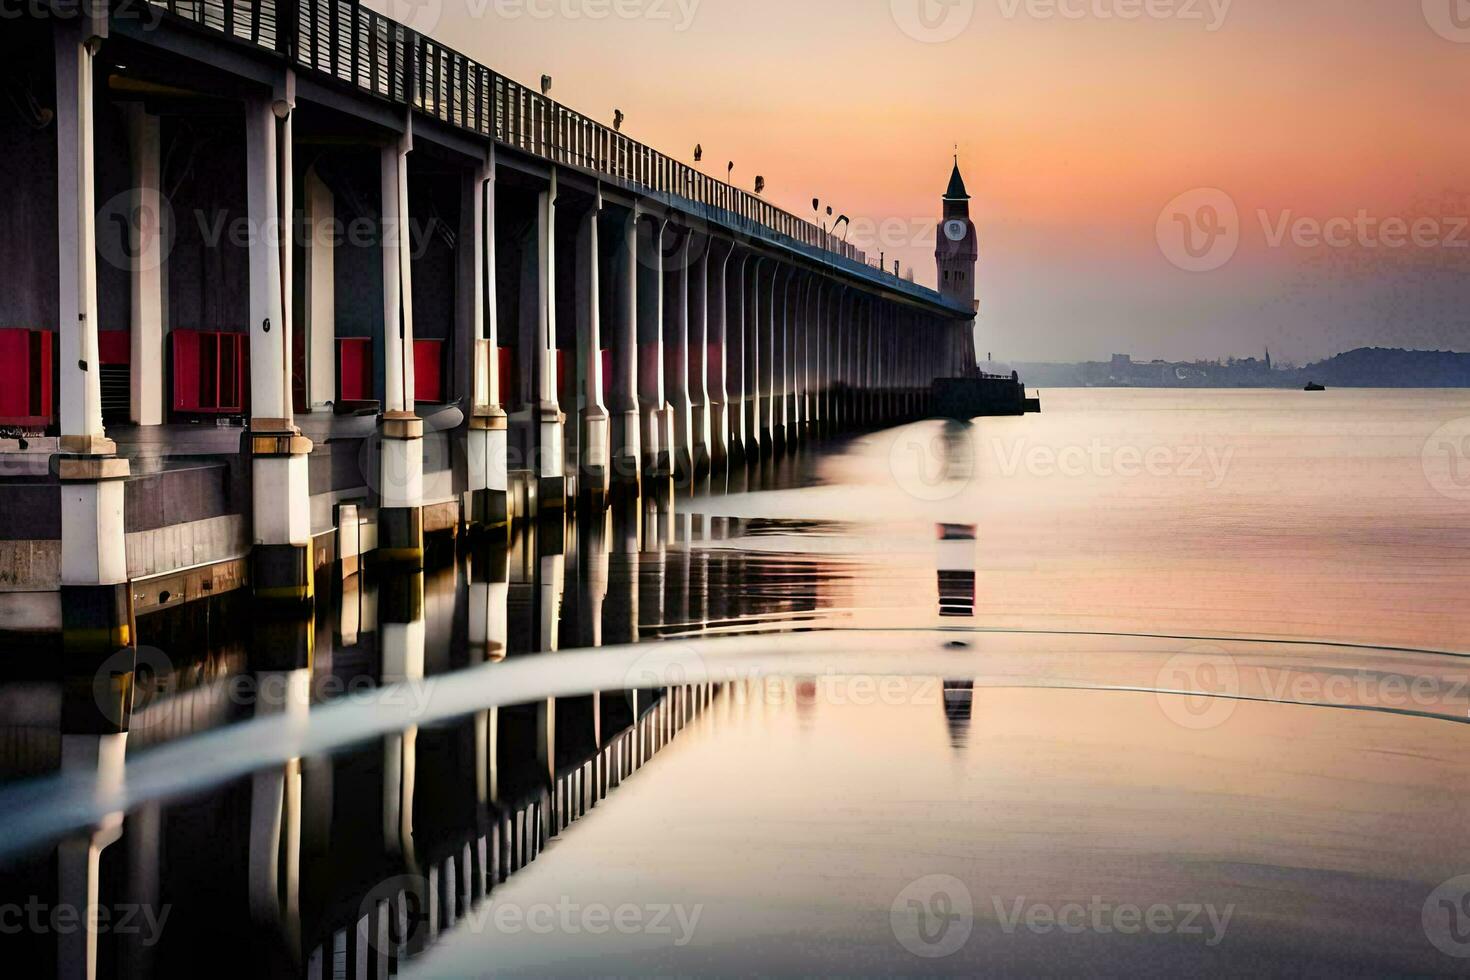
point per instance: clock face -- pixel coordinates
(955, 230)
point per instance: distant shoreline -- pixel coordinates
(1367, 367)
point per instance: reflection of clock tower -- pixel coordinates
(958, 250)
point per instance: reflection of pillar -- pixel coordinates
(401, 483)
(487, 438)
(145, 365)
(401, 633)
(623, 386)
(96, 601)
(143, 840)
(489, 639)
(78, 859)
(596, 437)
(550, 586)
(281, 657)
(956, 561)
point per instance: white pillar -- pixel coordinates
(676, 350)
(401, 474)
(147, 230)
(81, 391)
(321, 293)
(550, 450)
(717, 349)
(92, 479)
(487, 448)
(624, 386)
(281, 493)
(654, 437)
(596, 434)
(697, 357)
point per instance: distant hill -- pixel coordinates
(1367, 367)
(1379, 367)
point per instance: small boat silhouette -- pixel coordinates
(1314, 386)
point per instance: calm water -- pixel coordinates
(1193, 697)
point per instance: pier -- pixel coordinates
(295, 283)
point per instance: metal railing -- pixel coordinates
(385, 59)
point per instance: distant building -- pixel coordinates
(958, 248)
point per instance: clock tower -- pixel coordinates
(958, 249)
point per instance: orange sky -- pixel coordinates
(1075, 127)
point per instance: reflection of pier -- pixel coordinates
(358, 860)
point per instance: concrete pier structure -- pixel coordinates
(369, 291)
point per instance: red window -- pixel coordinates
(355, 369)
(428, 371)
(208, 372)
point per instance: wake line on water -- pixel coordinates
(39, 812)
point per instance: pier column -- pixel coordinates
(737, 297)
(145, 365)
(401, 473)
(717, 345)
(487, 440)
(94, 574)
(780, 359)
(814, 352)
(320, 272)
(623, 386)
(596, 438)
(657, 418)
(757, 348)
(771, 299)
(549, 464)
(282, 565)
(697, 356)
(676, 318)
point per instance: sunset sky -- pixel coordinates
(1078, 122)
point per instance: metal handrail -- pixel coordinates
(387, 60)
